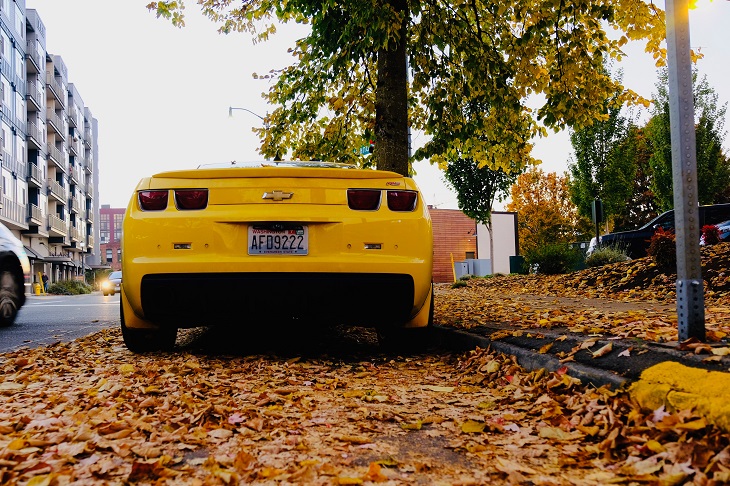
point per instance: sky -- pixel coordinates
(161, 94)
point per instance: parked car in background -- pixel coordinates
(274, 245)
(724, 229)
(636, 242)
(14, 276)
(112, 284)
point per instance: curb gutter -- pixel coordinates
(655, 375)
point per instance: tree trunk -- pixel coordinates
(391, 101)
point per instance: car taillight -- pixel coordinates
(363, 199)
(402, 200)
(153, 200)
(191, 198)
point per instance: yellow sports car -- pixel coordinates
(274, 245)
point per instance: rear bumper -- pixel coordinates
(274, 298)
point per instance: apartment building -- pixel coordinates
(49, 152)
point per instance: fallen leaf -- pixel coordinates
(472, 427)
(603, 351)
(443, 389)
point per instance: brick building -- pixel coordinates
(454, 235)
(110, 234)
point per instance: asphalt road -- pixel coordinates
(46, 319)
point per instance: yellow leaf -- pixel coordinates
(694, 425)
(347, 480)
(17, 444)
(126, 369)
(720, 351)
(557, 433)
(444, 389)
(42, 480)
(654, 446)
(414, 426)
(545, 348)
(472, 427)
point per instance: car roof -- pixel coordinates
(278, 163)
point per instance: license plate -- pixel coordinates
(269, 240)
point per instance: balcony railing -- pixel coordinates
(35, 213)
(56, 189)
(75, 205)
(33, 93)
(56, 123)
(57, 157)
(34, 173)
(56, 89)
(35, 135)
(73, 115)
(12, 211)
(13, 164)
(57, 224)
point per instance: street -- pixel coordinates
(45, 319)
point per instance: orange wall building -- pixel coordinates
(454, 234)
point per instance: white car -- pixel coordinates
(112, 284)
(14, 274)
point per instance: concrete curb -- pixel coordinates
(528, 358)
(669, 383)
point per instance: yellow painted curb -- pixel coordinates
(680, 387)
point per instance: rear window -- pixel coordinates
(115, 275)
(717, 214)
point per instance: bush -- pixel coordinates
(663, 248)
(69, 287)
(466, 277)
(605, 255)
(553, 259)
(710, 234)
(458, 284)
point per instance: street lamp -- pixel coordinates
(231, 108)
(266, 125)
(690, 291)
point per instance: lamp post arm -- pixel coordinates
(231, 108)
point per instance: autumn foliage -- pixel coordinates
(545, 213)
(663, 248)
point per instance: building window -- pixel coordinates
(104, 227)
(470, 255)
(109, 255)
(119, 255)
(118, 226)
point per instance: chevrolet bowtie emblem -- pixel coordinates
(277, 195)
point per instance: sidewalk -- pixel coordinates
(600, 341)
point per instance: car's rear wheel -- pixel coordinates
(9, 297)
(408, 338)
(144, 340)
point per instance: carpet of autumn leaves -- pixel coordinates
(634, 299)
(90, 412)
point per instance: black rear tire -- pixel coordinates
(147, 340)
(408, 339)
(10, 298)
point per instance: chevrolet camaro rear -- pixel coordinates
(275, 244)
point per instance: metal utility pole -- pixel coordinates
(690, 291)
